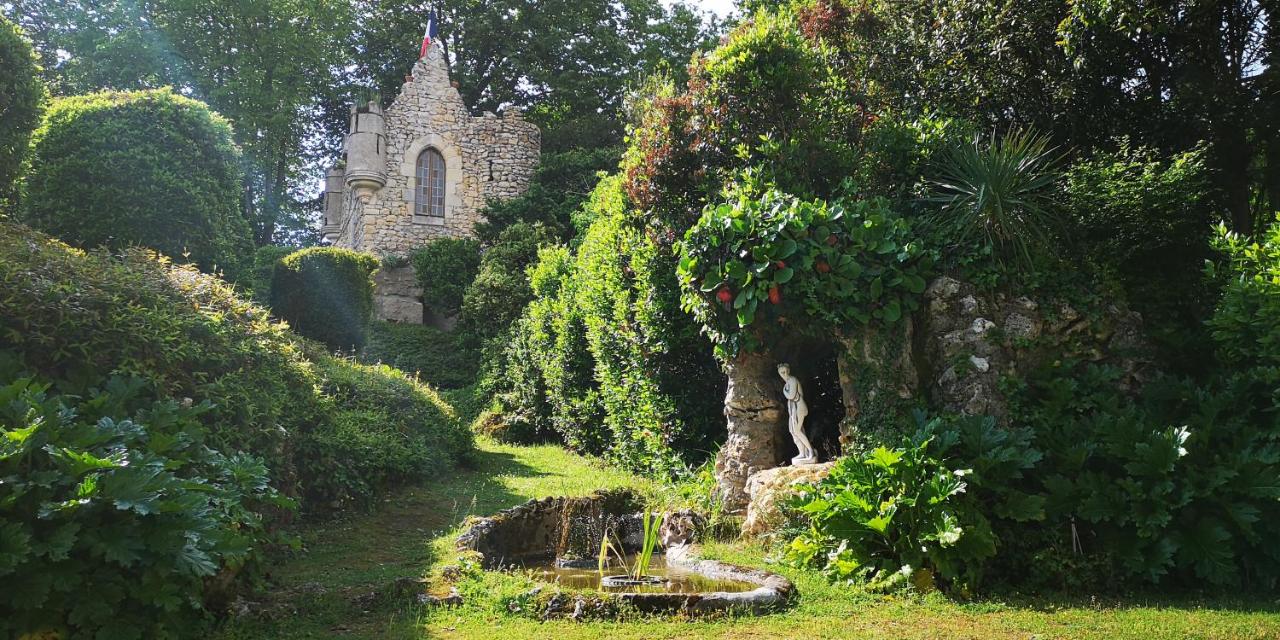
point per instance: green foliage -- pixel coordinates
(325, 293)
(386, 429)
(445, 267)
(768, 98)
(500, 290)
(1246, 324)
(117, 515)
(436, 357)
(258, 282)
(998, 196)
(150, 167)
(761, 265)
(22, 97)
(74, 316)
(605, 357)
(1179, 486)
(546, 382)
(887, 516)
(1144, 219)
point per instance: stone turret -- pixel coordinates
(334, 181)
(366, 149)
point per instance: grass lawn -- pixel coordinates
(327, 591)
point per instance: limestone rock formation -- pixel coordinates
(757, 422)
(768, 490)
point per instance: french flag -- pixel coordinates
(433, 30)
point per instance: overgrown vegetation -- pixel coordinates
(444, 267)
(235, 410)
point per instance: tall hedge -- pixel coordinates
(22, 97)
(325, 293)
(151, 168)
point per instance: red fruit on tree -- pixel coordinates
(780, 264)
(831, 240)
(775, 295)
(724, 295)
(823, 267)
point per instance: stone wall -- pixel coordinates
(397, 296)
(486, 157)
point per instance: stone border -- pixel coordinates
(772, 593)
(535, 529)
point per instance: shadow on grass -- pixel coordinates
(1241, 601)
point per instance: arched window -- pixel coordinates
(428, 197)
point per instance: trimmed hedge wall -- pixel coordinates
(326, 294)
(149, 168)
(22, 99)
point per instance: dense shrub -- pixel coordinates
(767, 255)
(115, 513)
(500, 290)
(258, 281)
(1246, 323)
(614, 312)
(436, 357)
(22, 98)
(768, 97)
(887, 517)
(1145, 219)
(444, 268)
(74, 316)
(546, 383)
(386, 428)
(149, 167)
(325, 293)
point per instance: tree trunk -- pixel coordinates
(757, 420)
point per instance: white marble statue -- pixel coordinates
(797, 410)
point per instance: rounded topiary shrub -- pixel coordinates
(21, 99)
(149, 168)
(326, 294)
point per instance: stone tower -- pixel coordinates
(421, 170)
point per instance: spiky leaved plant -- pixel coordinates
(999, 193)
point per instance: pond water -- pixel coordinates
(678, 580)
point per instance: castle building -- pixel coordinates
(422, 170)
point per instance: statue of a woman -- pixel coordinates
(797, 410)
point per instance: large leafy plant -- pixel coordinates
(889, 516)
(763, 259)
(114, 513)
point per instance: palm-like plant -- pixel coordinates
(999, 193)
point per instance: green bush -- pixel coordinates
(325, 293)
(148, 167)
(500, 290)
(434, 356)
(22, 98)
(115, 514)
(386, 429)
(767, 255)
(258, 282)
(545, 382)
(889, 517)
(445, 267)
(605, 337)
(1146, 220)
(1246, 323)
(74, 316)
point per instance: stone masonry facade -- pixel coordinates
(369, 203)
